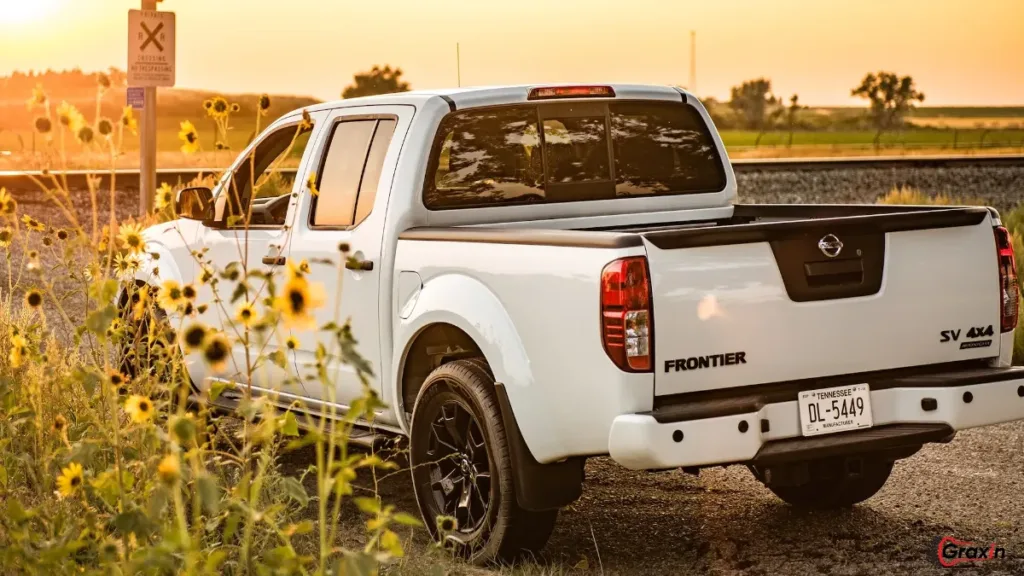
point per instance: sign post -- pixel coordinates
(150, 64)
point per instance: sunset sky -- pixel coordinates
(959, 51)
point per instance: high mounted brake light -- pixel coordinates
(1009, 289)
(554, 92)
(627, 329)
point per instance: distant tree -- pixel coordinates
(791, 112)
(891, 97)
(756, 106)
(378, 80)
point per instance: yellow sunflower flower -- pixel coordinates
(140, 302)
(246, 314)
(189, 138)
(130, 236)
(128, 121)
(169, 470)
(296, 302)
(32, 224)
(38, 98)
(193, 337)
(139, 408)
(70, 479)
(33, 298)
(126, 265)
(164, 197)
(264, 104)
(219, 107)
(7, 203)
(171, 297)
(217, 352)
(70, 117)
(19, 349)
(6, 235)
(291, 343)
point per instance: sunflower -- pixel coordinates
(33, 298)
(6, 235)
(139, 408)
(246, 314)
(116, 380)
(38, 98)
(105, 127)
(170, 297)
(7, 203)
(111, 549)
(297, 300)
(19, 349)
(47, 241)
(188, 291)
(236, 108)
(70, 479)
(33, 224)
(206, 276)
(193, 337)
(189, 138)
(220, 107)
(291, 343)
(220, 145)
(126, 265)
(62, 234)
(264, 104)
(130, 236)
(164, 197)
(169, 470)
(60, 423)
(70, 117)
(85, 134)
(297, 269)
(128, 121)
(216, 351)
(207, 105)
(103, 80)
(43, 125)
(140, 301)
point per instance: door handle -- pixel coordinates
(359, 265)
(274, 260)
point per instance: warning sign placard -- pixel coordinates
(150, 48)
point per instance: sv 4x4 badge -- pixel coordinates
(972, 335)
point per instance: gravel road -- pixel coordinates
(725, 522)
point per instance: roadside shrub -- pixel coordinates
(107, 466)
(1013, 220)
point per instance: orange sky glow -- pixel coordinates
(960, 52)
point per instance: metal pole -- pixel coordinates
(147, 143)
(458, 64)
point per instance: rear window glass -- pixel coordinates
(509, 155)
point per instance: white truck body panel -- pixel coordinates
(530, 301)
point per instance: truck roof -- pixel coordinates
(472, 97)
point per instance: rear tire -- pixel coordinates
(462, 467)
(830, 487)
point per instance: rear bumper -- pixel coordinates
(751, 427)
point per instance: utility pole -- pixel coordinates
(147, 142)
(693, 62)
(458, 65)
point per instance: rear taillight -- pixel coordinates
(555, 92)
(1009, 289)
(627, 320)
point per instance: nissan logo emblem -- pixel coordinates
(830, 245)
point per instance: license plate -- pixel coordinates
(831, 410)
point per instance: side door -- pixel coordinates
(253, 202)
(356, 160)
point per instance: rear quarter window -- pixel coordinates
(526, 154)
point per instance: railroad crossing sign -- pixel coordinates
(150, 48)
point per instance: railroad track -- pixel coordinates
(76, 179)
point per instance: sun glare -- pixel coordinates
(13, 12)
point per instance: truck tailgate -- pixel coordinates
(777, 301)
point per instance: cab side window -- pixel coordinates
(257, 194)
(350, 171)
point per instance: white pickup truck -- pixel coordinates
(545, 274)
